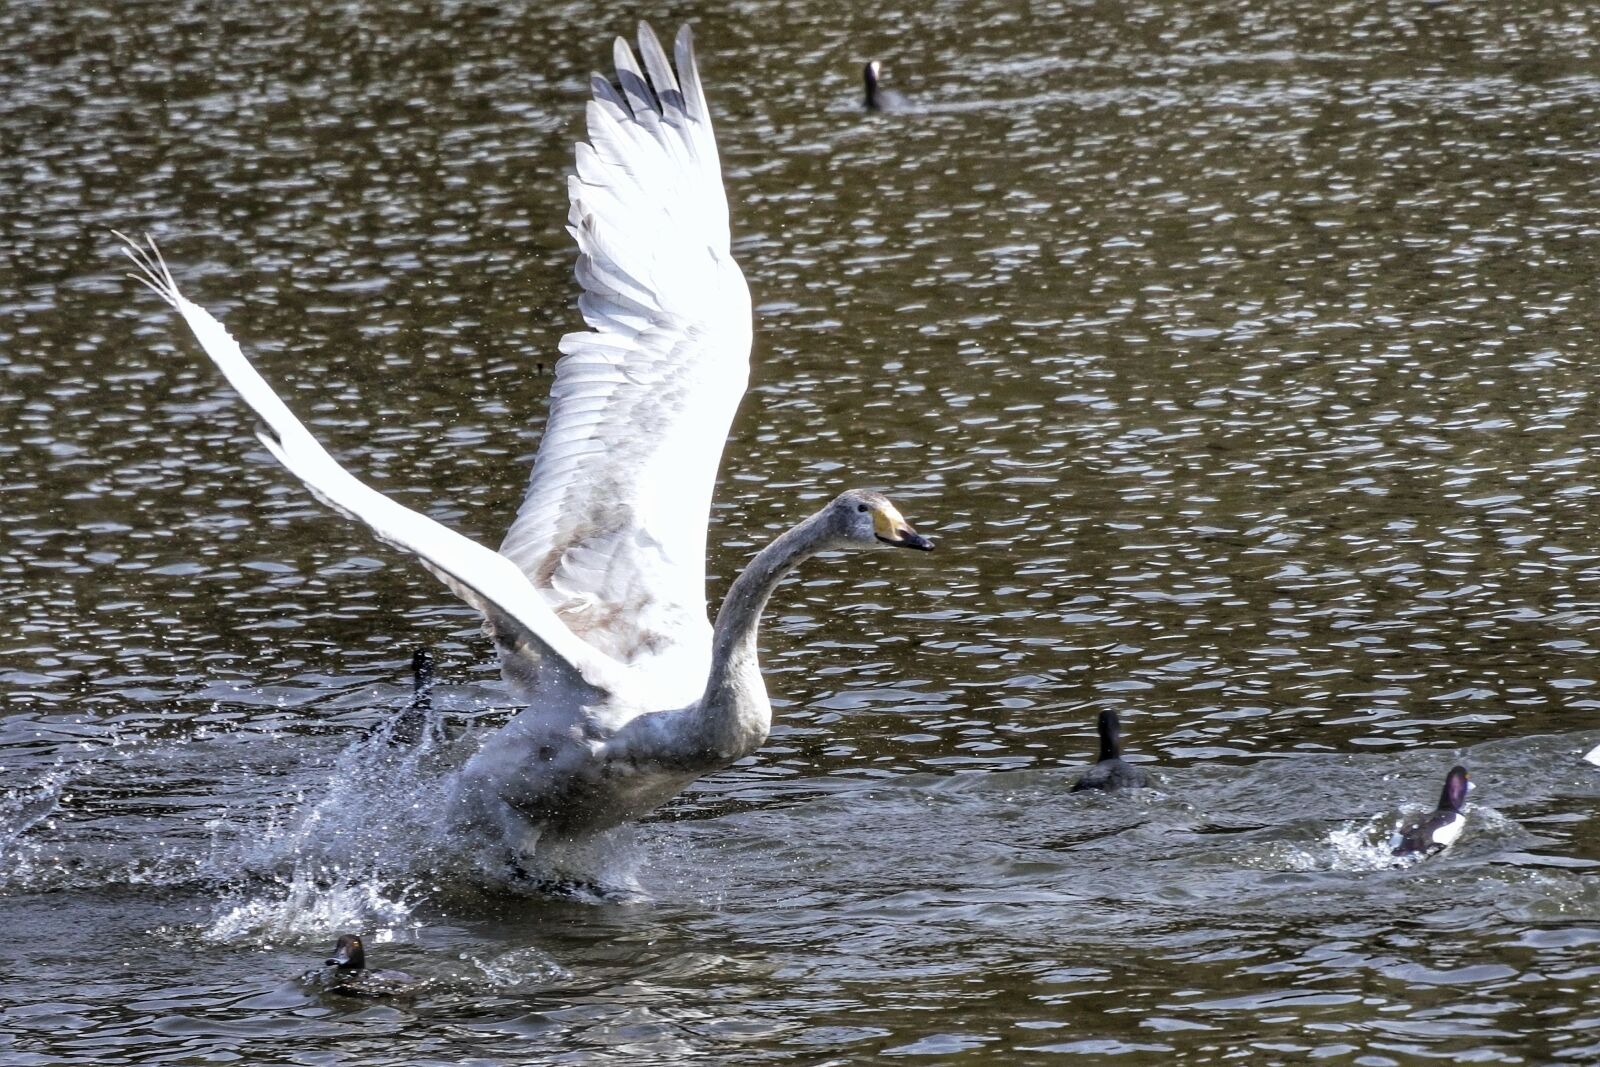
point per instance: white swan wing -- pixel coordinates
(518, 618)
(613, 527)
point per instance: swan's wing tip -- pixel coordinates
(689, 76)
(684, 38)
(660, 68)
(152, 268)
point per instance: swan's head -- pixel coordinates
(862, 519)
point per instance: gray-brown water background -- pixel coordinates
(1239, 358)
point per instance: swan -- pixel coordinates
(596, 598)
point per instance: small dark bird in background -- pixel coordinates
(417, 719)
(1111, 772)
(879, 98)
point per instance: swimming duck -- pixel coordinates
(1111, 772)
(350, 976)
(878, 98)
(1441, 827)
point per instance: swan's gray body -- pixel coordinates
(596, 599)
(564, 775)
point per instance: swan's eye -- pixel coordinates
(861, 507)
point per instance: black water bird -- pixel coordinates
(417, 720)
(879, 98)
(1111, 772)
(1441, 827)
(348, 973)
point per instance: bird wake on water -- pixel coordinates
(595, 600)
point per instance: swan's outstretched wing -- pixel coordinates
(613, 527)
(518, 618)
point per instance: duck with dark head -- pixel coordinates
(877, 97)
(1439, 829)
(346, 972)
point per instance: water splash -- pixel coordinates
(1368, 844)
(24, 807)
(521, 968)
(1363, 845)
(309, 907)
(21, 809)
(381, 832)
(364, 830)
(379, 810)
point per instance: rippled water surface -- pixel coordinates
(1239, 358)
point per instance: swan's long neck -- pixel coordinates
(734, 712)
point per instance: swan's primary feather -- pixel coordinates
(520, 621)
(612, 530)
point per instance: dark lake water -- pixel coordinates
(1241, 360)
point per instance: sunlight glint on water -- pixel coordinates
(1237, 358)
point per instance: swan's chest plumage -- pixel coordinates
(590, 767)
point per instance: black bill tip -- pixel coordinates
(908, 539)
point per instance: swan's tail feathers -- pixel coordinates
(517, 614)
